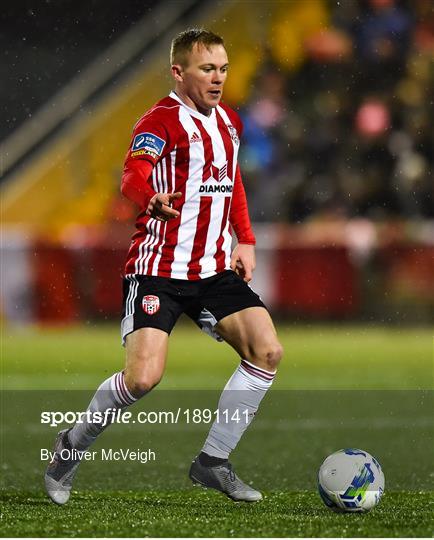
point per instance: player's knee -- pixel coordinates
(268, 357)
(139, 385)
(273, 356)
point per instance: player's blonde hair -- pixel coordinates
(183, 43)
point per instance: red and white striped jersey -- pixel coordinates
(197, 156)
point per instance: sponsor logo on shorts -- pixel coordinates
(147, 143)
(150, 304)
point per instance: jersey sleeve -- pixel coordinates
(150, 142)
(135, 184)
(239, 213)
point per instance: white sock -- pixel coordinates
(243, 392)
(112, 394)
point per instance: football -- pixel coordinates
(350, 480)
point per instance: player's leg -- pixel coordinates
(252, 334)
(244, 323)
(151, 309)
(146, 350)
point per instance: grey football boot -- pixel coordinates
(224, 479)
(61, 471)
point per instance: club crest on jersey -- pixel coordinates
(147, 143)
(234, 134)
(150, 304)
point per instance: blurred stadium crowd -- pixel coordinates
(337, 152)
(336, 97)
(341, 123)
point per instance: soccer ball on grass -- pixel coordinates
(350, 480)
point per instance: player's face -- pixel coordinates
(201, 81)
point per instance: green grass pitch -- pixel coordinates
(338, 386)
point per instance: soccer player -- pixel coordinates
(181, 169)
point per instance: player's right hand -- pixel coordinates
(160, 206)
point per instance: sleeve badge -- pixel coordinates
(147, 144)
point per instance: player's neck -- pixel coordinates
(186, 99)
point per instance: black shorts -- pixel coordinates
(157, 302)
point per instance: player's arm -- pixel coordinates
(136, 187)
(148, 142)
(243, 257)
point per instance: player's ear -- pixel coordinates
(177, 72)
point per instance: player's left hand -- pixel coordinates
(243, 261)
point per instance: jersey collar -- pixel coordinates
(193, 112)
